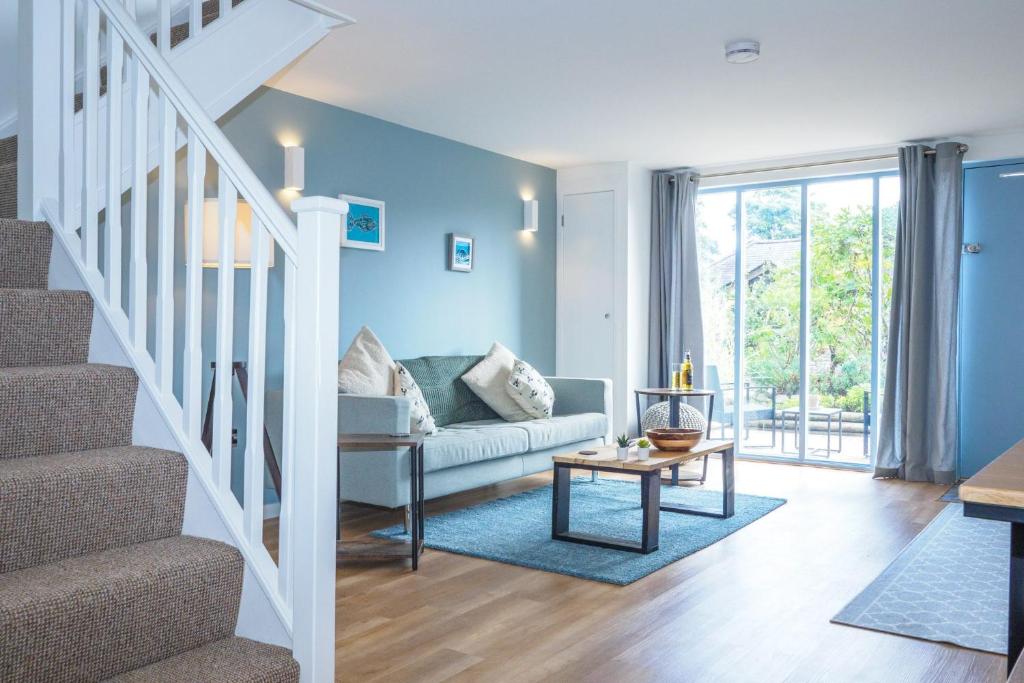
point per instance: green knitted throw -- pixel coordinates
(447, 396)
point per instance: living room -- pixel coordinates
(569, 445)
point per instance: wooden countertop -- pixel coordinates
(1001, 482)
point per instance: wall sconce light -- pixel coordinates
(211, 235)
(530, 215)
(294, 168)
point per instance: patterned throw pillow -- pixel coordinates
(530, 390)
(420, 419)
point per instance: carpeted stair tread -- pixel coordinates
(44, 327)
(106, 613)
(8, 189)
(239, 660)
(70, 504)
(24, 253)
(61, 409)
(9, 149)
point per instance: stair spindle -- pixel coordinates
(227, 200)
(112, 241)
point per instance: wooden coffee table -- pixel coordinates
(649, 472)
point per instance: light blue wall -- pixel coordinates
(432, 186)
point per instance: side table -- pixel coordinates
(675, 396)
(387, 550)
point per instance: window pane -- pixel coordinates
(888, 213)
(770, 385)
(716, 245)
(839, 352)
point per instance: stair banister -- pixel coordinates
(300, 585)
(264, 206)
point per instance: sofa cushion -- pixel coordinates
(461, 444)
(449, 399)
(563, 429)
(366, 368)
(488, 379)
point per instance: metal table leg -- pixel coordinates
(414, 488)
(673, 422)
(1015, 631)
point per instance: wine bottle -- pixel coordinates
(687, 373)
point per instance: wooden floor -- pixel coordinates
(753, 607)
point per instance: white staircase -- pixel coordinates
(122, 149)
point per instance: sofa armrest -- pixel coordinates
(373, 414)
(575, 395)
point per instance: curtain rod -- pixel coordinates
(813, 164)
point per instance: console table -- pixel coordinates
(997, 492)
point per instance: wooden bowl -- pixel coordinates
(675, 439)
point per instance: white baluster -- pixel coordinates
(316, 434)
(138, 286)
(192, 394)
(225, 7)
(115, 63)
(90, 130)
(254, 450)
(285, 558)
(163, 31)
(195, 18)
(67, 116)
(165, 248)
(227, 200)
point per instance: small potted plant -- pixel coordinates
(622, 452)
(643, 449)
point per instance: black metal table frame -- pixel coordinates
(416, 500)
(673, 422)
(650, 503)
(784, 414)
(1015, 626)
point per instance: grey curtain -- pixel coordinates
(917, 430)
(675, 315)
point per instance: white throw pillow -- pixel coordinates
(420, 419)
(487, 380)
(366, 368)
(530, 390)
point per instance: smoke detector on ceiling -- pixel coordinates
(742, 51)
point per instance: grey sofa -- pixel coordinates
(473, 447)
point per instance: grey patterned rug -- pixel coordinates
(949, 585)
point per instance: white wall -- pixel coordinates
(631, 186)
(257, 618)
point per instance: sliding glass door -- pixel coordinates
(809, 317)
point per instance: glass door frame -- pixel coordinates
(739, 323)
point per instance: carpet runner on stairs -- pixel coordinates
(96, 580)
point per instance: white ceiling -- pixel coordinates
(578, 81)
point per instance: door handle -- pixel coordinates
(972, 247)
(607, 316)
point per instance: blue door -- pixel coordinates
(992, 316)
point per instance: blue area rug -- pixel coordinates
(950, 585)
(517, 529)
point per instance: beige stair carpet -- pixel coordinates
(96, 580)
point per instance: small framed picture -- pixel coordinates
(364, 228)
(460, 253)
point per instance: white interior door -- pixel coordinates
(585, 346)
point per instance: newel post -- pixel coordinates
(313, 485)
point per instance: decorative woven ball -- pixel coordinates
(656, 417)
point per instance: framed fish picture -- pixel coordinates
(460, 253)
(364, 227)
